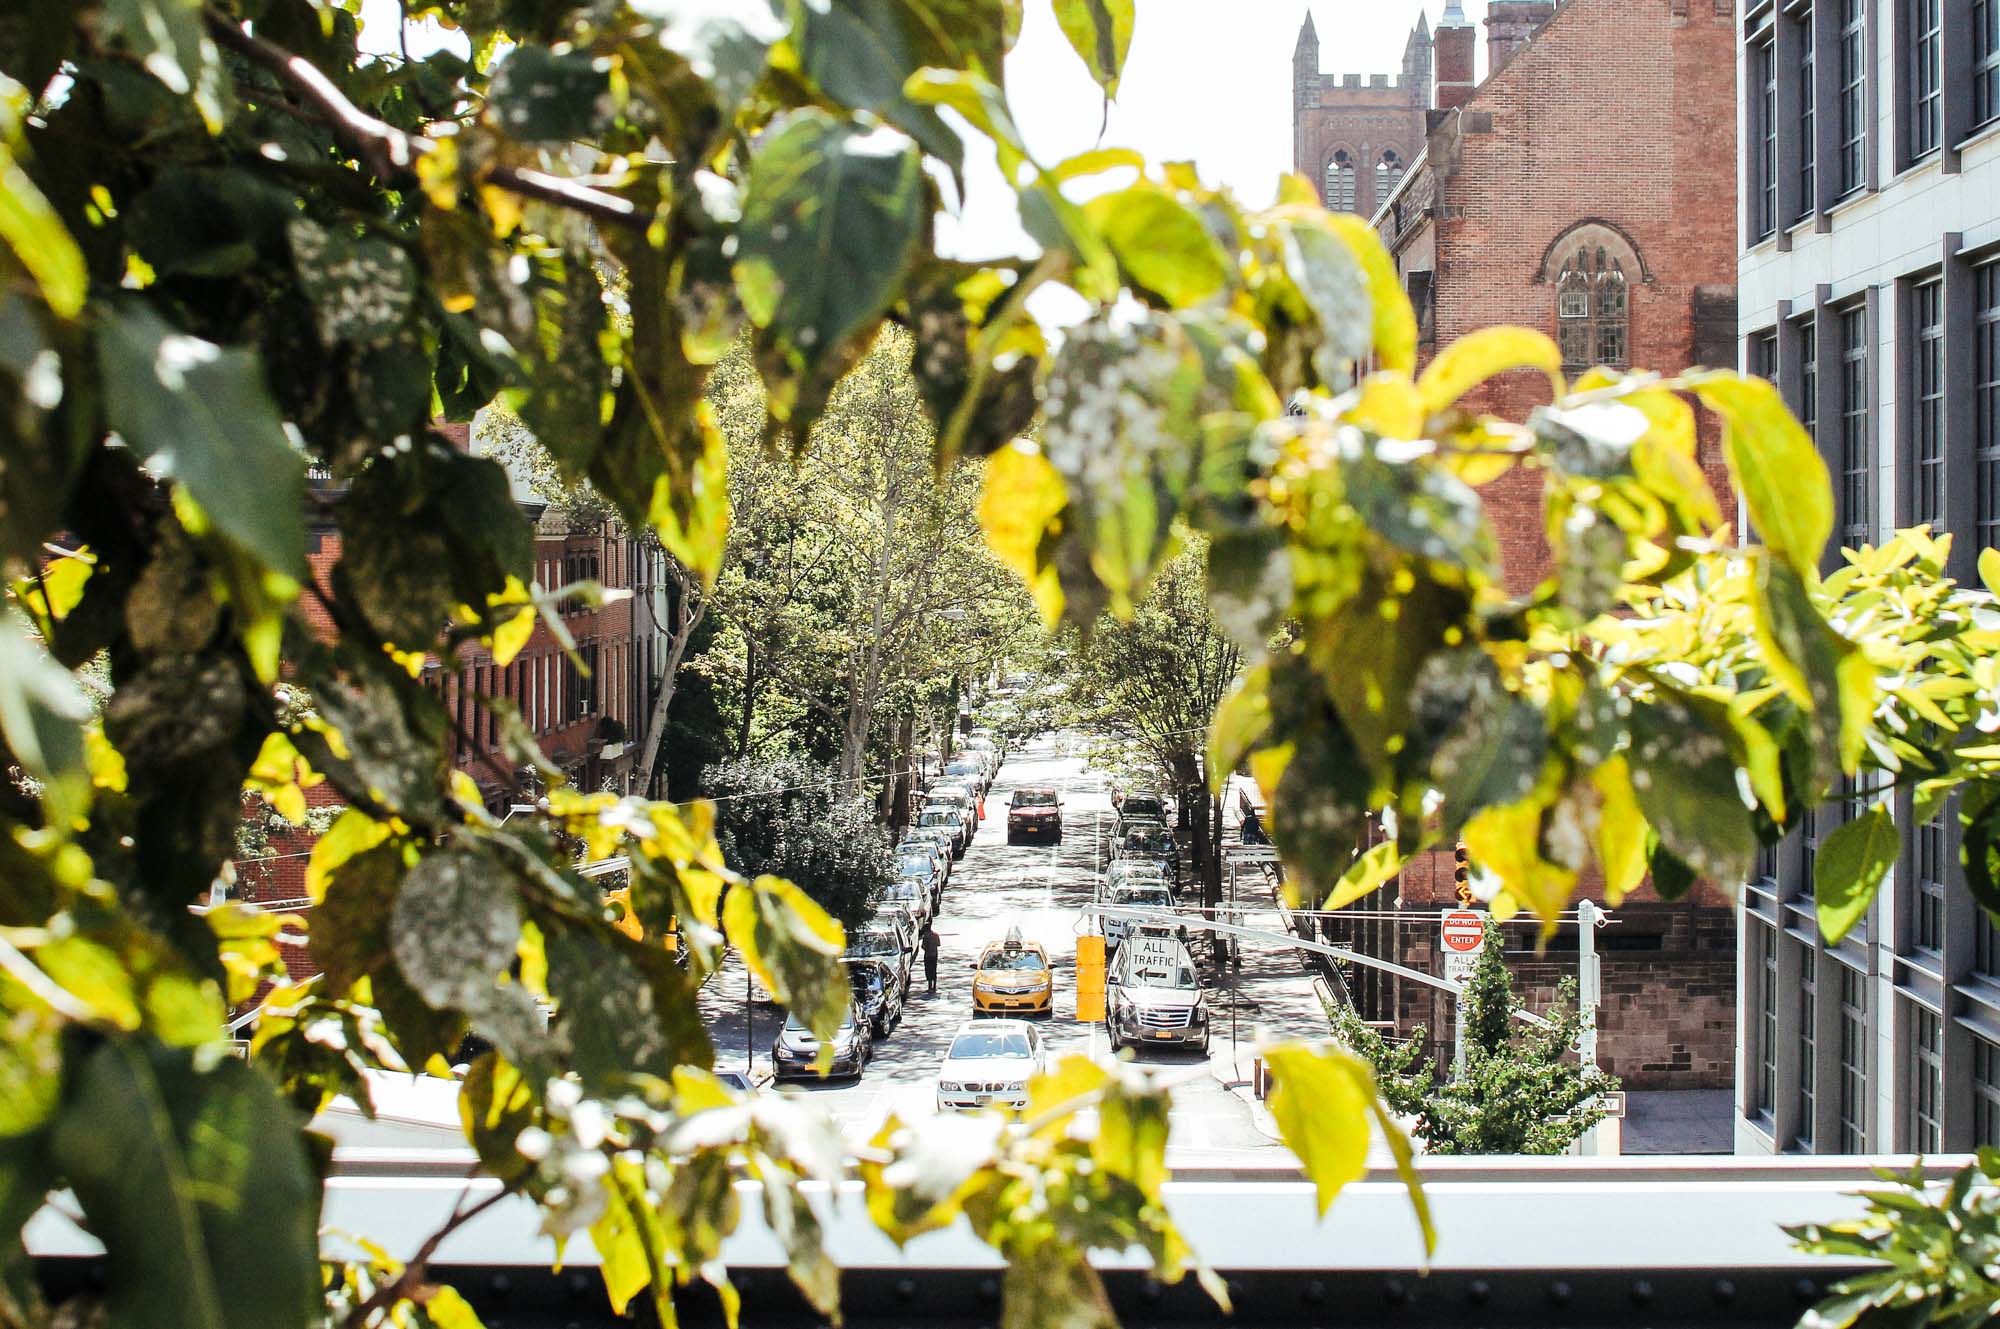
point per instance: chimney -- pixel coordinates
(1451, 55)
(1509, 25)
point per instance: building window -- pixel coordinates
(1340, 182)
(1926, 1135)
(1809, 832)
(1985, 1093)
(1857, 486)
(1932, 868)
(1808, 1046)
(1388, 174)
(1986, 397)
(1853, 108)
(1985, 61)
(1764, 356)
(1927, 407)
(1767, 1020)
(1592, 310)
(1924, 21)
(1764, 76)
(1808, 115)
(1853, 1061)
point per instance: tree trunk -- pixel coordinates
(687, 617)
(899, 781)
(751, 682)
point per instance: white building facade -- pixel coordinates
(1869, 291)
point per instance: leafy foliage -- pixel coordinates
(245, 269)
(792, 819)
(1933, 1247)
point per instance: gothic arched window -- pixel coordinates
(1592, 268)
(1388, 174)
(1340, 182)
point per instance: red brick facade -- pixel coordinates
(1603, 141)
(1373, 126)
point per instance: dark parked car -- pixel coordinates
(1141, 805)
(878, 990)
(795, 1051)
(1152, 844)
(1034, 813)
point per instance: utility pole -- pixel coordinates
(1589, 978)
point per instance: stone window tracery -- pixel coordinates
(1340, 182)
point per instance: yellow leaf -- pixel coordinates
(1395, 330)
(1506, 841)
(1776, 466)
(1388, 404)
(290, 802)
(58, 588)
(1621, 830)
(34, 231)
(1322, 1103)
(1370, 872)
(1479, 356)
(1023, 498)
(510, 637)
(1989, 570)
(352, 832)
(106, 763)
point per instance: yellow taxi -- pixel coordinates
(1013, 976)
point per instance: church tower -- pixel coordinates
(1353, 134)
(1305, 65)
(1417, 63)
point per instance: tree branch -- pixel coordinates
(391, 153)
(406, 1282)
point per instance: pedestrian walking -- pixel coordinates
(930, 957)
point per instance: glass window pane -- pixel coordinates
(1925, 1133)
(1853, 1061)
(1927, 410)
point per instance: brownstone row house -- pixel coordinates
(590, 722)
(1586, 187)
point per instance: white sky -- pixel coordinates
(1207, 81)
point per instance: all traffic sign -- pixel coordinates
(1462, 931)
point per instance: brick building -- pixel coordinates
(590, 722)
(1353, 137)
(1585, 187)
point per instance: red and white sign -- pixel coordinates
(1462, 930)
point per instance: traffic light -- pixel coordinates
(1461, 873)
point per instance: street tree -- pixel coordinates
(240, 256)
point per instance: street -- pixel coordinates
(1041, 889)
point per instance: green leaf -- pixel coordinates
(1049, 1286)
(1850, 866)
(1775, 465)
(1161, 243)
(456, 923)
(42, 713)
(361, 287)
(1321, 1099)
(1822, 670)
(1989, 570)
(1487, 353)
(832, 220)
(1393, 330)
(30, 1061)
(1370, 873)
(201, 417)
(793, 946)
(167, 38)
(495, 1104)
(623, 1020)
(860, 53)
(1335, 287)
(191, 1174)
(543, 96)
(563, 401)
(1684, 773)
(1100, 31)
(1241, 723)
(35, 232)
(723, 41)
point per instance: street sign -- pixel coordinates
(1461, 932)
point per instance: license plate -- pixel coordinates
(1162, 1034)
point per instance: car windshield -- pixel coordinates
(872, 941)
(990, 1043)
(963, 768)
(1145, 895)
(1149, 842)
(947, 796)
(937, 817)
(866, 978)
(1142, 805)
(1014, 961)
(913, 867)
(793, 1025)
(1165, 976)
(1034, 798)
(902, 890)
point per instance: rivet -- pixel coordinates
(579, 1283)
(1642, 1291)
(1560, 1293)
(501, 1285)
(1394, 1292)
(906, 1289)
(1723, 1291)
(989, 1289)
(1805, 1290)
(1479, 1292)
(1315, 1292)
(1149, 1291)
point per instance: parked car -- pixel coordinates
(1013, 975)
(946, 817)
(740, 1081)
(969, 771)
(923, 871)
(960, 799)
(1131, 871)
(1152, 844)
(1153, 996)
(878, 990)
(942, 840)
(989, 1063)
(914, 896)
(1133, 893)
(795, 1051)
(882, 939)
(1034, 812)
(1141, 805)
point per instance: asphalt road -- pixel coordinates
(1041, 889)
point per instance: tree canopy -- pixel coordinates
(247, 266)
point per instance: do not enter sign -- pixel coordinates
(1463, 930)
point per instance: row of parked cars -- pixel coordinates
(1153, 993)
(882, 954)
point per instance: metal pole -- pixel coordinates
(1589, 983)
(749, 1020)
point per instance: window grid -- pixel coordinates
(1767, 1020)
(1340, 182)
(1853, 107)
(1926, 1134)
(1764, 356)
(1986, 946)
(1857, 497)
(1764, 63)
(1931, 871)
(1808, 115)
(1985, 61)
(1927, 412)
(1985, 1093)
(1986, 398)
(1809, 827)
(1853, 1061)
(1926, 109)
(1592, 310)
(1388, 174)
(1808, 1045)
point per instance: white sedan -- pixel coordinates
(989, 1064)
